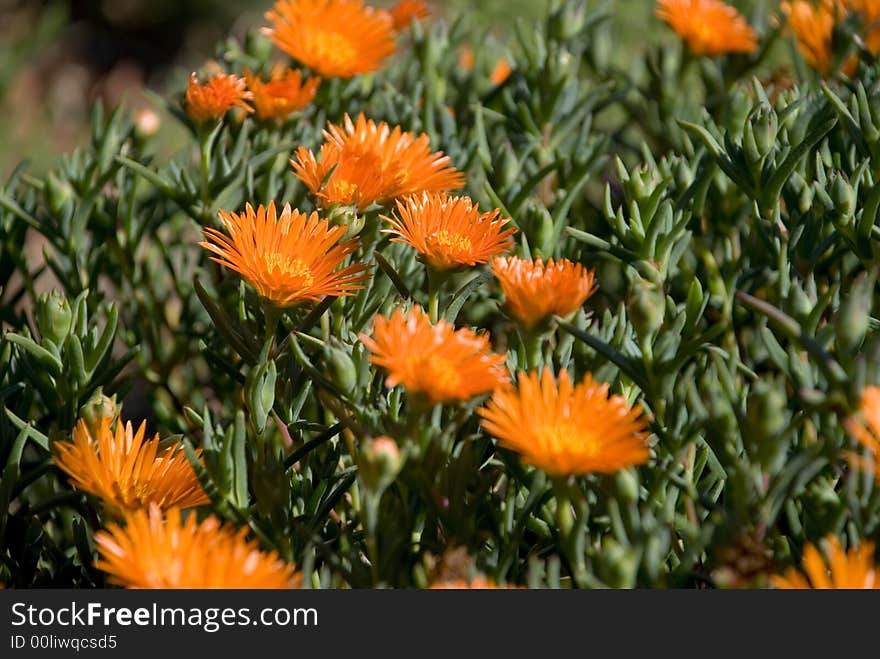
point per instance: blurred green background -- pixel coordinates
(58, 56)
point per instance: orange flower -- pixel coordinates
(436, 361)
(403, 12)
(290, 259)
(335, 38)
(364, 162)
(534, 291)
(127, 471)
(845, 570)
(565, 429)
(222, 92)
(466, 59)
(813, 26)
(450, 232)
(869, 12)
(282, 95)
(152, 552)
(501, 72)
(709, 27)
(477, 583)
(865, 427)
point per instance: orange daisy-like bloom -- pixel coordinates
(709, 27)
(289, 259)
(403, 12)
(865, 427)
(152, 552)
(222, 92)
(364, 162)
(813, 26)
(567, 429)
(284, 93)
(845, 570)
(436, 361)
(126, 470)
(477, 583)
(534, 291)
(335, 38)
(500, 73)
(450, 232)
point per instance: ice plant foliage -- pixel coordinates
(566, 428)
(127, 470)
(213, 99)
(283, 94)
(436, 361)
(152, 551)
(362, 162)
(853, 569)
(450, 232)
(334, 38)
(290, 259)
(709, 27)
(534, 290)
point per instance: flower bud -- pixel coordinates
(619, 564)
(146, 123)
(626, 483)
(379, 462)
(59, 192)
(844, 198)
(766, 418)
(96, 408)
(851, 321)
(341, 368)
(766, 126)
(54, 317)
(647, 307)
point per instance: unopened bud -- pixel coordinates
(851, 322)
(379, 462)
(98, 407)
(54, 317)
(341, 368)
(844, 198)
(59, 192)
(767, 417)
(647, 306)
(146, 123)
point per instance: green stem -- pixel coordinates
(371, 524)
(205, 143)
(533, 343)
(436, 279)
(569, 529)
(272, 315)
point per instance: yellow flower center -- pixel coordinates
(441, 376)
(293, 268)
(563, 437)
(332, 47)
(450, 242)
(341, 191)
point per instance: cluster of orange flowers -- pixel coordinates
(712, 27)
(293, 258)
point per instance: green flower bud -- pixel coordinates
(765, 129)
(97, 407)
(379, 462)
(59, 192)
(260, 392)
(851, 321)
(626, 482)
(647, 307)
(341, 368)
(766, 418)
(54, 317)
(844, 198)
(619, 565)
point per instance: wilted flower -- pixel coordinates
(152, 552)
(222, 92)
(126, 470)
(289, 259)
(709, 27)
(436, 361)
(533, 291)
(364, 162)
(450, 232)
(334, 38)
(564, 428)
(844, 570)
(283, 94)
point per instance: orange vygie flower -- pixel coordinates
(222, 92)
(450, 232)
(865, 427)
(845, 570)
(813, 27)
(501, 72)
(289, 259)
(364, 162)
(567, 429)
(126, 470)
(709, 27)
(403, 12)
(436, 361)
(152, 552)
(282, 95)
(477, 583)
(334, 38)
(534, 291)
